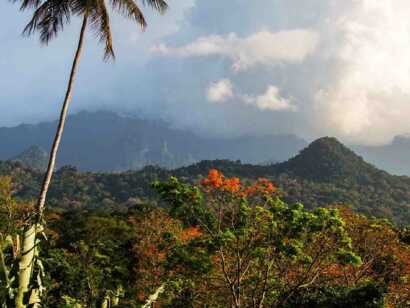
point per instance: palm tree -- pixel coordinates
(49, 19)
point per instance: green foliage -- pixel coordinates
(253, 237)
(15, 220)
(326, 173)
(366, 296)
(182, 199)
(34, 157)
(192, 242)
(347, 257)
(91, 258)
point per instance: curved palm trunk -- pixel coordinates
(29, 237)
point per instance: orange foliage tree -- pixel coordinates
(386, 258)
(255, 250)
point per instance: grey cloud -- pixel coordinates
(354, 85)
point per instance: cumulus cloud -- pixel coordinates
(270, 100)
(261, 48)
(367, 97)
(345, 65)
(223, 91)
(220, 91)
(349, 72)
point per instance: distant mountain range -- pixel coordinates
(324, 173)
(393, 157)
(105, 141)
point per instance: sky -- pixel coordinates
(228, 68)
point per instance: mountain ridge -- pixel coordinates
(112, 142)
(105, 141)
(350, 181)
(393, 156)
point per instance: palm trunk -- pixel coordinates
(29, 237)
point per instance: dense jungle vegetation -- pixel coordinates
(215, 234)
(325, 173)
(219, 243)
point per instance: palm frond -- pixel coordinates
(81, 7)
(159, 5)
(129, 9)
(49, 19)
(28, 4)
(100, 22)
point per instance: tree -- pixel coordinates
(13, 218)
(49, 18)
(260, 250)
(386, 257)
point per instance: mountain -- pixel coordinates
(34, 157)
(325, 173)
(393, 157)
(105, 141)
(110, 142)
(328, 160)
(325, 160)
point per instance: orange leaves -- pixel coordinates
(232, 185)
(334, 271)
(213, 173)
(214, 180)
(190, 234)
(217, 181)
(266, 186)
(384, 257)
(262, 186)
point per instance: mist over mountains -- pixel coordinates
(324, 172)
(106, 141)
(393, 157)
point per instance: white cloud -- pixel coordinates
(220, 91)
(270, 100)
(223, 91)
(355, 85)
(367, 97)
(261, 48)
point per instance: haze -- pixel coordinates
(309, 68)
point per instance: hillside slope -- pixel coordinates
(325, 173)
(34, 157)
(328, 160)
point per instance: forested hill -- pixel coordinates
(328, 160)
(325, 173)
